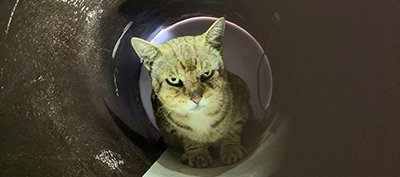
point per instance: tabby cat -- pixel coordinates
(196, 101)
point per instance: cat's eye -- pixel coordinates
(174, 82)
(206, 75)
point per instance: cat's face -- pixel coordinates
(187, 73)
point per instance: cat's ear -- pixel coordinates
(145, 50)
(215, 34)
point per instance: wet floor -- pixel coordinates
(334, 65)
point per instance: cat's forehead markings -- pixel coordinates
(191, 66)
(182, 65)
(175, 71)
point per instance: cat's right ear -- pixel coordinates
(145, 50)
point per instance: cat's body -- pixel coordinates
(196, 101)
(206, 127)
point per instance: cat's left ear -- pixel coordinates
(215, 34)
(145, 50)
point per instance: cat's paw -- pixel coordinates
(232, 153)
(197, 159)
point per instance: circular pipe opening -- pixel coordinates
(243, 56)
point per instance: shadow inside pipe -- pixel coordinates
(150, 149)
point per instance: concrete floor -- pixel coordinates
(334, 64)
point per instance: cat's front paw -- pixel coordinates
(232, 153)
(197, 159)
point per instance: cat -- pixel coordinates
(196, 101)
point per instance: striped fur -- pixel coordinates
(196, 101)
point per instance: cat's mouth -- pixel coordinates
(196, 109)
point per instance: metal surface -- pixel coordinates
(53, 120)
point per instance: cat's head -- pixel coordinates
(187, 73)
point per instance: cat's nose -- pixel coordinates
(196, 100)
(196, 95)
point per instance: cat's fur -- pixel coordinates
(196, 101)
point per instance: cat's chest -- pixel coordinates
(200, 127)
(200, 123)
